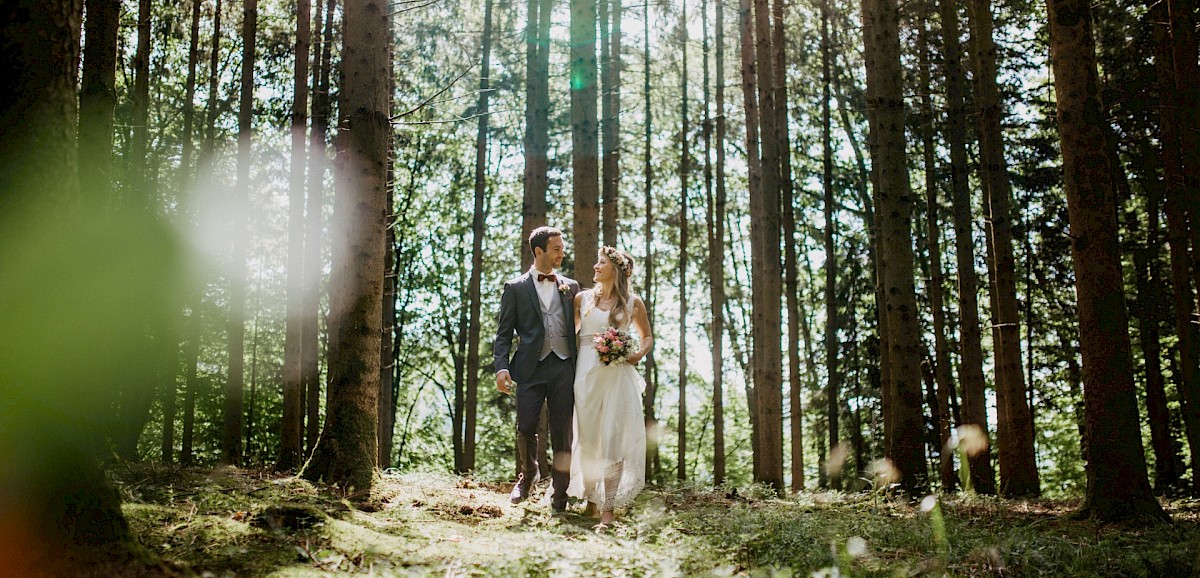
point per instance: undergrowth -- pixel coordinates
(230, 522)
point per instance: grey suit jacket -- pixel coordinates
(521, 315)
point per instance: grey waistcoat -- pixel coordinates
(556, 330)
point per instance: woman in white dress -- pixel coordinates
(608, 464)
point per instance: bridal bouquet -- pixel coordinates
(613, 345)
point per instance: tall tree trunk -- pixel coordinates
(291, 436)
(98, 97)
(185, 178)
(648, 399)
(1186, 73)
(310, 333)
(754, 177)
(788, 224)
(477, 231)
(386, 419)
(1188, 379)
(347, 450)
(1117, 487)
(685, 170)
(716, 257)
(610, 38)
(833, 379)
(537, 121)
(133, 410)
(585, 167)
(1018, 467)
(885, 97)
(970, 367)
(941, 357)
(766, 283)
(207, 152)
(1149, 299)
(231, 440)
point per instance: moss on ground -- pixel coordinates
(230, 522)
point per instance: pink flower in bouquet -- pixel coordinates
(612, 345)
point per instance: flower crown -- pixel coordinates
(616, 258)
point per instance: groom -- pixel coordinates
(538, 308)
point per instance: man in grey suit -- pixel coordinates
(538, 307)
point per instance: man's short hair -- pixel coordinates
(540, 237)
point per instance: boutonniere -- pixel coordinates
(563, 288)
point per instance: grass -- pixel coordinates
(230, 522)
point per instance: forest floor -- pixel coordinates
(234, 522)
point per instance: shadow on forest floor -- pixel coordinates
(232, 522)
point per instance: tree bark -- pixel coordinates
(716, 256)
(1175, 208)
(232, 443)
(941, 357)
(610, 38)
(477, 231)
(1117, 487)
(98, 97)
(970, 367)
(310, 333)
(347, 450)
(291, 436)
(585, 167)
(537, 121)
(1018, 467)
(648, 399)
(886, 101)
(685, 170)
(833, 381)
(765, 256)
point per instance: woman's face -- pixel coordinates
(602, 271)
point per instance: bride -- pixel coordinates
(608, 467)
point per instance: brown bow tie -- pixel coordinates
(549, 277)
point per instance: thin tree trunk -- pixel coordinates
(231, 441)
(1018, 467)
(970, 368)
(207, 153)
(788, 224)
(833, 379)
(537, 115)
(685, 170)
(648, 411)
(716, 256)
(291, 437)
(310, 348)
(477, 231)
(885, 99)
(941, 357)
(610, 37)
(346, 453)
(185, 179)
(1175, 208)
(1117, 487)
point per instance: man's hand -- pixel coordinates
(504, 382)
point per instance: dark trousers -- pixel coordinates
(552, 384)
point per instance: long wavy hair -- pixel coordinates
(622, 261)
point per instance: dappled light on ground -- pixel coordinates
(232, 522)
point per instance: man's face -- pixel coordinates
(552, 257)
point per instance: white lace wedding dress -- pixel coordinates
(608, 463)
